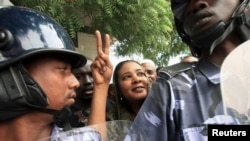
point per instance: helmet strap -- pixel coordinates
(20, 94)
(35, 95)
(209, 35)
(214, 35)
(242, 25)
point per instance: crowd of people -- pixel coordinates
(48, 88)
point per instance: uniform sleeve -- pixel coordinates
(154, 118)
(86, 133)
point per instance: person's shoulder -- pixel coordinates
(172, 70)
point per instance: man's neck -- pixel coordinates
(223, 49)
(26, 127)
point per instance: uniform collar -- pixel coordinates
(210, 70)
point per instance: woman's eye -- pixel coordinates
(63, 69)
(126, 77)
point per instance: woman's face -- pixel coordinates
(133, 82)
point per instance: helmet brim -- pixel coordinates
(76, 59)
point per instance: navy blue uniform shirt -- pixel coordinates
(179, 107)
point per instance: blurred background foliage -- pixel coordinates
(143, 27)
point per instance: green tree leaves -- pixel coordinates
(140, 26)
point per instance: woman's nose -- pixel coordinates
(136, 79)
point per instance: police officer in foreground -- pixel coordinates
(36, 81)
(186, 99)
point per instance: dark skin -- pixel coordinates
(85, 91)
(223, 49)
(200, 15)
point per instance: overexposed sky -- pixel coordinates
(116, 59)
(5, 2)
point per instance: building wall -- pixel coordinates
(87, 44)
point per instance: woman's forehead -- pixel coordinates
(131, 65)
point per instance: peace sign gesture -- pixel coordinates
(102, 67)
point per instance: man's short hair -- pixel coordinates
(148, 61)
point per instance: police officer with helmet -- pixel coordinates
(186, 99)
(36, 82)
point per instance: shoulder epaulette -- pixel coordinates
(172, 70)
